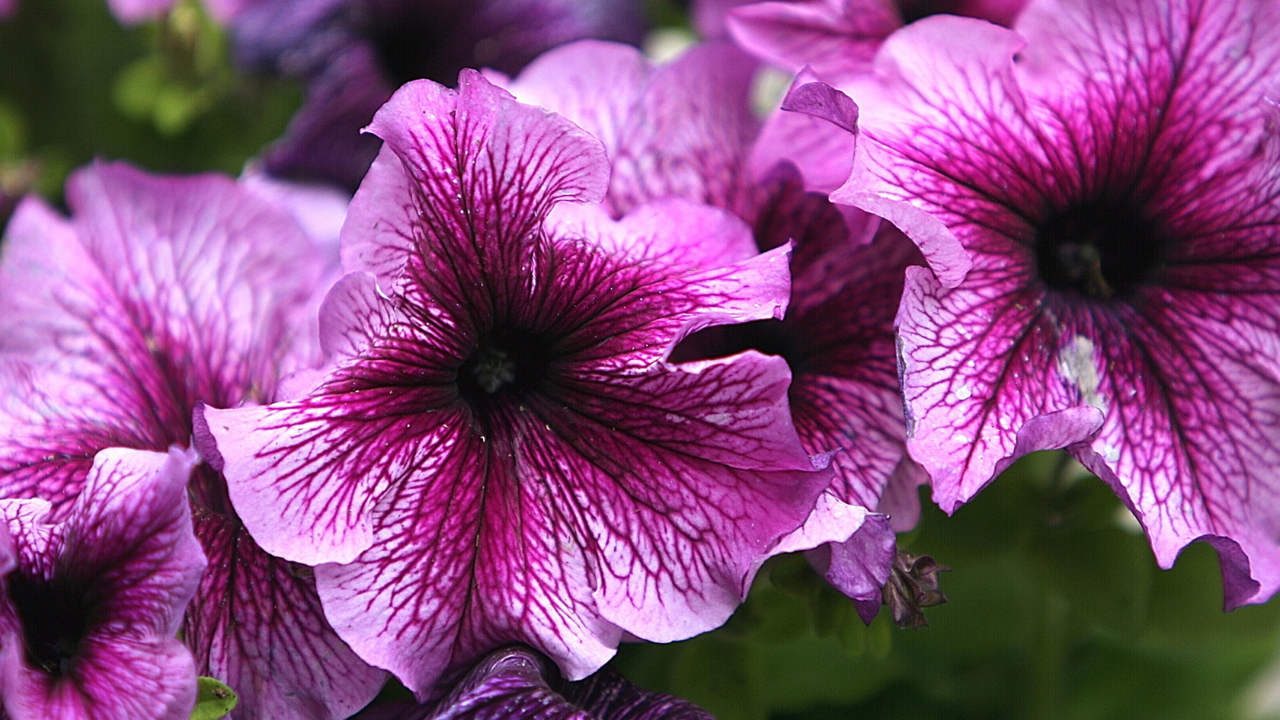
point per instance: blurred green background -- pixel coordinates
(1056, 608)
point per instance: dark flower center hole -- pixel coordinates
(771, 337)
(506, 362)
(409, 41)
(913, 10)
(54, 621)
(1100, 249)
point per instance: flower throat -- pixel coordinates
(54, 621)
(505, 363)
(1103, 250)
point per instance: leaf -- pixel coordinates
(213, 700)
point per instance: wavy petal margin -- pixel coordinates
(88, 620)
(161, 292)
(1168, 389)
(500, 451)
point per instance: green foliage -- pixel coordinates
(1056, 610)
(213, 700)
(163, 95)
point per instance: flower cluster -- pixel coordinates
(593, 340)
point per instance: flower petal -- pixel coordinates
(257, 625)
(127, 544)
(1156, 107)
(513, 161)
(837, 38)
(679, 129)
(161, 292)
(671, 230)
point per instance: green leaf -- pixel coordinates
(213, 700)
(138, 86)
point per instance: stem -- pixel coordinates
(1048, 694)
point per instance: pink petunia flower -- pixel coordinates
(500, 451)
(686, 129)
(1112, 182)
(161, 292)
(90, 604)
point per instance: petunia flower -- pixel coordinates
(91, 604)
(832, 41)
(837, 39)
(1112, 179)
(517, 683)
(500, 451)
(352, 54)
(159, 293)
(686, 129)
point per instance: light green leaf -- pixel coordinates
(213, 700)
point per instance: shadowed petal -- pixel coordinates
(678, 129)
(516, 683)
(839, 38)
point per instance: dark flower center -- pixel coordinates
(771, 337)
(410, 40)
(505, 363)
(1100, 249)
(54, 621)
(913, 10)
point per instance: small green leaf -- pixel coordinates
(213, 700)
(138, 85)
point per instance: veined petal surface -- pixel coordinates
(1114, 180)
(500, 451)
(88, 619)
(686, 130)
(159, 293)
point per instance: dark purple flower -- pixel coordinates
(158, 294)
(516, 683)
(1113, 182)
(686, 129)
(91, 604)
(501, 451)
(353, 53)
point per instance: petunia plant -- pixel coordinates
(1111, 180)
(500, 450)
(159, 293)
(91, 603)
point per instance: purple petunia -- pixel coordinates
(157, 294)
(90, 604)
(1112, 180)
(352, 54)
(500, 451)
(516, 683)
(686, 129)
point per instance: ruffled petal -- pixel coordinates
(482, 172)
(256, 624)
(1114, 187)
(127, 550)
